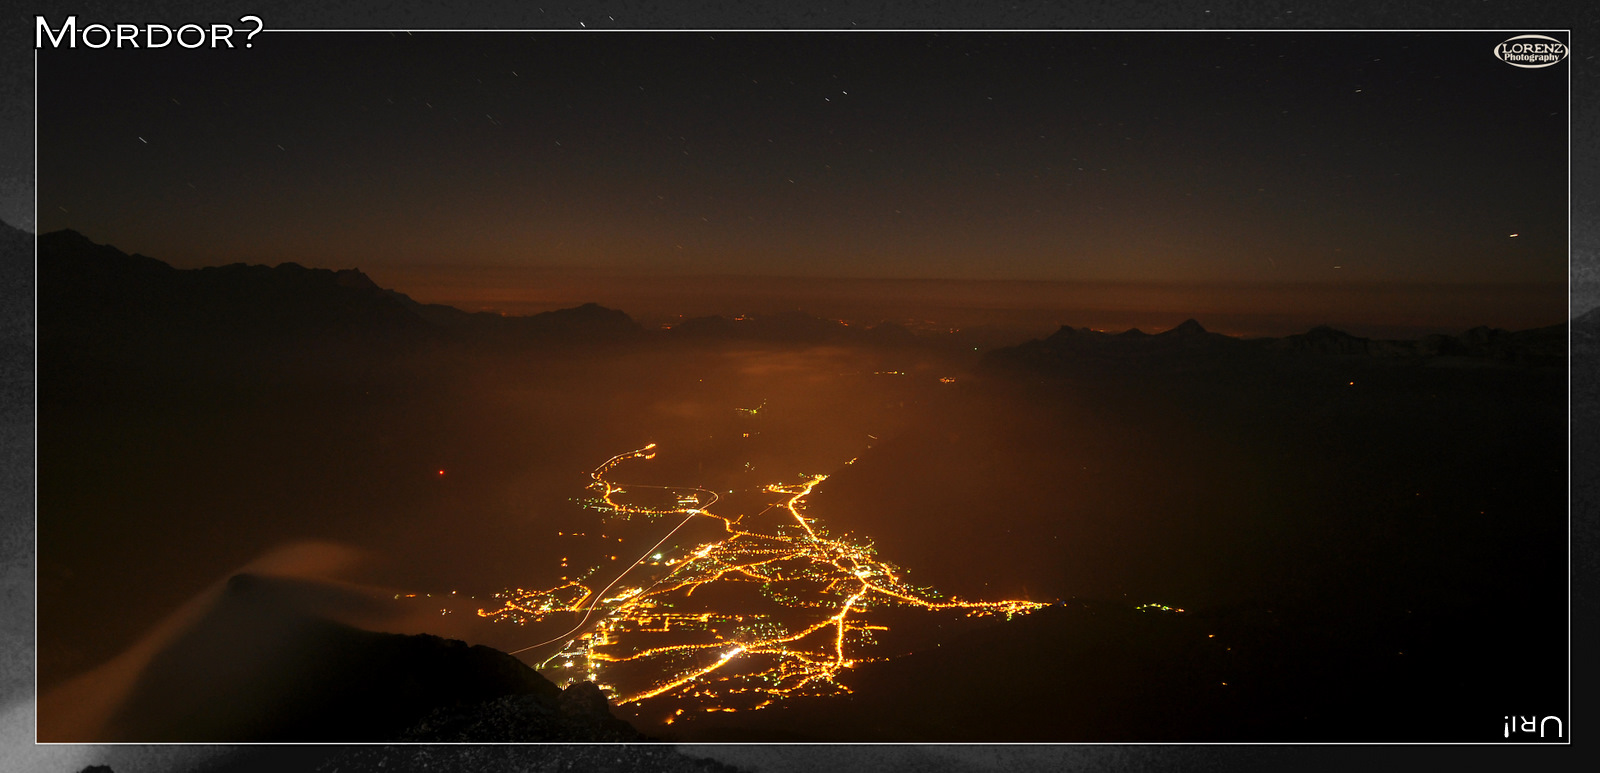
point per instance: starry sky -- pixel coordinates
(1093, 157)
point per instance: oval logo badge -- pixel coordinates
(1531, 51)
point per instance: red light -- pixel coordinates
(441, 472)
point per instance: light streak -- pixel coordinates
(829, 586)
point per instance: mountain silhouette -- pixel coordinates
(98, 297)
(101, 299)
(1189, 328)
(1538, 346)
(1544, 346)
(254, 663)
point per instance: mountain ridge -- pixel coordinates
(1543, 346)
(86, 285)
(262, 301)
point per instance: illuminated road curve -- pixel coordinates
(812, 611)
(644, 453)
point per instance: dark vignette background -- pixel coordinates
(16, 199)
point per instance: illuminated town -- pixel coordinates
(765, 607)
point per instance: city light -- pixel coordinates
(806, 614)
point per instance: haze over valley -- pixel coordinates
(1269, 530)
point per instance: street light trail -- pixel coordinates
(829, 586)
(599, 471)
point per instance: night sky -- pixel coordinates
(1180, 157)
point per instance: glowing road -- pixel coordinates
(783, 608)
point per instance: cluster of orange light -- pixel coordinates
(772, 664)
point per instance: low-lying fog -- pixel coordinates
(1347, 493)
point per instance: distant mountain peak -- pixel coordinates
(67, 235)
(353, 277)
(1189, 327)
(73, 247)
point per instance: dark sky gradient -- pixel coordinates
(1178, 157)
